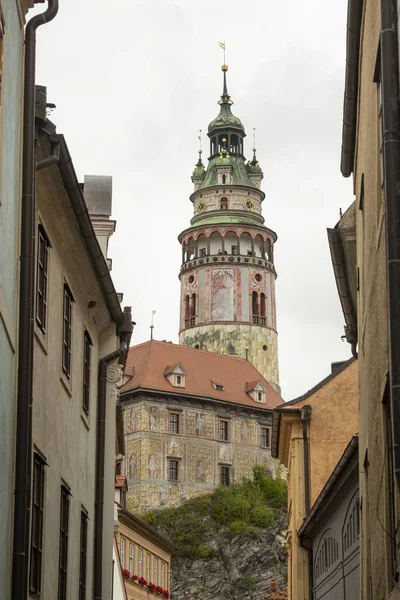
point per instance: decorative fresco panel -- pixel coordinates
(223, 295)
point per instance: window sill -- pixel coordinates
(85, 419)
(42, 340)
(67, 384)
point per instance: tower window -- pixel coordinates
(187, 310)
(254, 307)
(224, 201)
(193, 310)
(224, 178)
(234, 250)
(262, 309)
(202, 252)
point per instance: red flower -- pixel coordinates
(126, 573)
(135, 577)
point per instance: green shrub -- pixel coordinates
(203, 551)
(262, 516)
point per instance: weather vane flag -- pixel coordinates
(222, 45)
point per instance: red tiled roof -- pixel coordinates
(252, 384)
(151, 358)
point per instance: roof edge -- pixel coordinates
(128, 518)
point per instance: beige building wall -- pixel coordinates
(376, 577)
(198, 450)
(63, 434)
(333, 422)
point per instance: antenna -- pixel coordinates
(153, 312)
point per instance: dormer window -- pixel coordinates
(176, 375)
(257, 391)
(218, 386)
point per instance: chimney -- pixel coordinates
(97, 191)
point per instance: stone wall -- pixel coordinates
(197, 448)
(233, 338)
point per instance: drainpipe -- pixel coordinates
(391, 143)
(26, 316)
(305, 417)
(125, 333)
(54, 156)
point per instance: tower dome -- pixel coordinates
(227, 273)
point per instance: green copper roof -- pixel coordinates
(239, 174)
(208, 219)
(225, 119)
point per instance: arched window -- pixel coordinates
(262, 309)
(254, 307)
(224, 201)
(224, 178)
(193, 310)
(187, 310)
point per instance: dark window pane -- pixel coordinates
(35, 575)
(42, 279)
(67, 331)
(173, 470)
(86, 372)
(63, 560)
(83, 552)
(265, 437)
(173, 423)
(223, 430)
(224, 475)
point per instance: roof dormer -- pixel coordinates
(257, 391)
(176, 375)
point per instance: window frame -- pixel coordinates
(225, 475)
(67, 331)
(122, 552)
(155, 570)
(163, 574)
(148, 564)
(173, 469)
(224, 430)
(36, 543)
(87, 354)
(140, 562)
(131, 557)
(42, 267)
(174, 424)
(83, 555)
(268, 437)
(63, 544)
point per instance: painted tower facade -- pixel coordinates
(227, 274)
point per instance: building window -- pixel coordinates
(131, 558)
(122, 553)
(178, 380)
(42, 279)
(225, 475)
(83, 553)
(155, 570)
(235, 250)
(224, 201)
(202, 252)
(140, 562)
(63, 560)
(223, 430)
(35, 577)
(187, 310)
(265, 435)
(163, 575)
(148, 567)
(254, 307)
(173, 423)
(87, 343)
(263, 313)
(67, 331)
(193, 311)
(173, 470)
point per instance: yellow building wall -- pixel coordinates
(136, 591)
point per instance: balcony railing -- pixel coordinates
(227, 258)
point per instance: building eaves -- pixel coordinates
(151, 534)
(276, 426)
(354, 15)
(318, 507)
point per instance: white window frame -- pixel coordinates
(148, 567)
(163, 575)
(122, 553)
(140, 562)
(131, 558)
(155, 570)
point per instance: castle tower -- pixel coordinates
(227, 275)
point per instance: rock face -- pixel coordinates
(239, 568)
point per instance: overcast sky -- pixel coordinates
(133, 83)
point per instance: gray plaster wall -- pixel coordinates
(340, 579)
(10, 139)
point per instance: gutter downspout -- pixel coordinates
(23, 446)
(391, 143)
(305, 418)
(125, 333)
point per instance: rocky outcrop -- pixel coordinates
(239, 568)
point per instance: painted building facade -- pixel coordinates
(193, 420)
(227, 275)
(368, 281)
(79, 329)
(12, 22)
(309, 436)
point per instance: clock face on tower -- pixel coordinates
(248, 204)
(201, 206)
